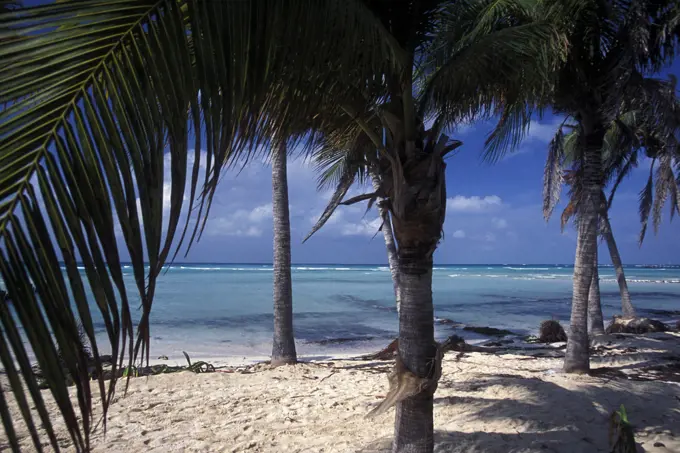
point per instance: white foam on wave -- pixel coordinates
(307, 268)
(527, 268)
(643, 280)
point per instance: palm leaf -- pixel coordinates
(646, 200)
(552, 176)
(97, 94)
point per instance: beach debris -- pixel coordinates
(489, 331)
(551, 331)
(621, 436)
(198, 367)
(622, 324)
(385, 354)
(498, 343)
(404, 384)
(130, 371)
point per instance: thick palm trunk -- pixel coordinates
(626, 305)
(390, 245)
(418, 216)
(414, 424)
(595, 321)
(283, 350)
(577, 358)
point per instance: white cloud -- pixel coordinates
(542, 132)
(459, 234)
(260, 213)
(499, 223)
(242, 222)
(362, 228)
(490, 237)
(460, 203)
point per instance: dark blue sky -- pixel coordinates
(494, 214)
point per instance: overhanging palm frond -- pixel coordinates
(666, 187)
(552, 176)
(646, 201)
(345, 183)
(98, 94)
(92, 106)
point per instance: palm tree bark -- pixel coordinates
(390, 245)
(626, 304)
(417, 217)
(283, 349)
(595, 321)
(577, 358)
(414, 422)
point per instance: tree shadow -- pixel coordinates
(515, 414)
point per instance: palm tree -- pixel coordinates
(409, 158)
(595, 320)
(388, 236)
(98, 94)
(627, 137)
(283, 349)
(97, 97)
(611, 46)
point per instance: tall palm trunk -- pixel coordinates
(418, 215)
(577, 358)
(595, 322)
(390, 245)
(626, 304)
(283, 350)
(414, 422)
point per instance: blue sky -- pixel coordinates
(494, 214)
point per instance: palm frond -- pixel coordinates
(343, 187)
(485, 76)
(97, 94)
(568, 213)
(646, 201)
(665, 186)
(552, 175)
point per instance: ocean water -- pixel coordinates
(225, 310)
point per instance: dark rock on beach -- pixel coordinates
(447, 322)
(635, 325)
(498, 343)
(327, 341)
(489, 331)
(551, 331)
(669, 313)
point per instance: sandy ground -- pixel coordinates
(511, 401)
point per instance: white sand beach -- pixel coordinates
(509, 401)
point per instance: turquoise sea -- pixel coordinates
(224, 310)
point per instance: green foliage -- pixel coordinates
(130, 371)
(198, 367)
(621, 436)
(99, 99)
(632, 135)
